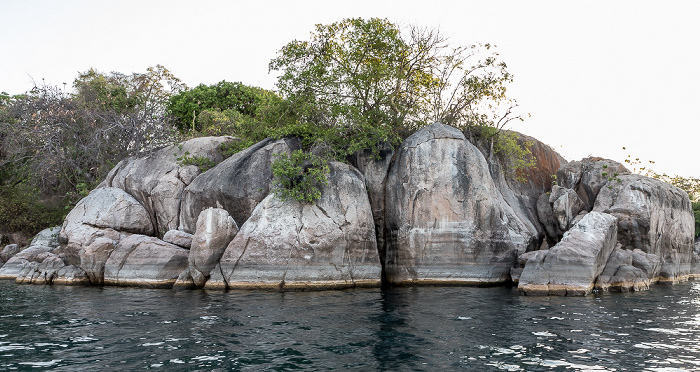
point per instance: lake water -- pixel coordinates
(420, 329)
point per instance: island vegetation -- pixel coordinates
(358, 85)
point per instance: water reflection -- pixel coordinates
(419, 329)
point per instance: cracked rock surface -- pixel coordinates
(288, 244)
(446, 221)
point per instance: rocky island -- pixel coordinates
(439, 210)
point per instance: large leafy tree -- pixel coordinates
(371, 75)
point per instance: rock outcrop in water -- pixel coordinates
(438, 210)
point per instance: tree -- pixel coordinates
(361, 76)
(201, 108)
(61, 143)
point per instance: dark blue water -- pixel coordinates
(420, 329)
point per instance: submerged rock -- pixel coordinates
(294, 245)
(572, 266)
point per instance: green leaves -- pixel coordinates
(299, 176)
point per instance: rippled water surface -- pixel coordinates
(422, 329)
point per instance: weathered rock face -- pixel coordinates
(654, 217)
(628, 270)
(96, 225)
(572, 266)
(588, 176)
(157, 181)
(215, 230)
(237, 185)
(145, 261)
(446, 222)
(108, 208)
(179, 238)
(47, 237)
(290, 245)
(13, 267)
(521, 190)
(374, 168)
(558, 211)
(7, 252)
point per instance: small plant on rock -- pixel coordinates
(299, 176)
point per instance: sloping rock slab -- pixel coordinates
(145, 261)
(237, 185)
(654, 217)
(291, 245)
(571, 267)
(446, 221)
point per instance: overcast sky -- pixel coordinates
(595, 75)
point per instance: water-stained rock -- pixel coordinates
(572, 266)
(292, 245)
(145, 261)
(446, 221)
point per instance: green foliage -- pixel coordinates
(23, 209)
(202, 162)
(217, 108)
(299, 176)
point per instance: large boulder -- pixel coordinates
(237, 184)
(98, 222)
(572, 266)
(158, 179)
(215, 230)
(558, 210)
(588, 176)
(654, 217)
(446, 221)
(7, 252)
(145, 261)
(294, 245)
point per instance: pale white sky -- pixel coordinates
(594, 75)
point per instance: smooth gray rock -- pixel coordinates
(654, 217)
(558, 210)
(145, 261)
(237, 184)
(8, 251)
(446, 221)
(572, 266)
(157, 180)
(47, 237)
(588, 176)
(215, 230)
(13, 267)
(293, 245)
(108, 207)
(179, 238)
